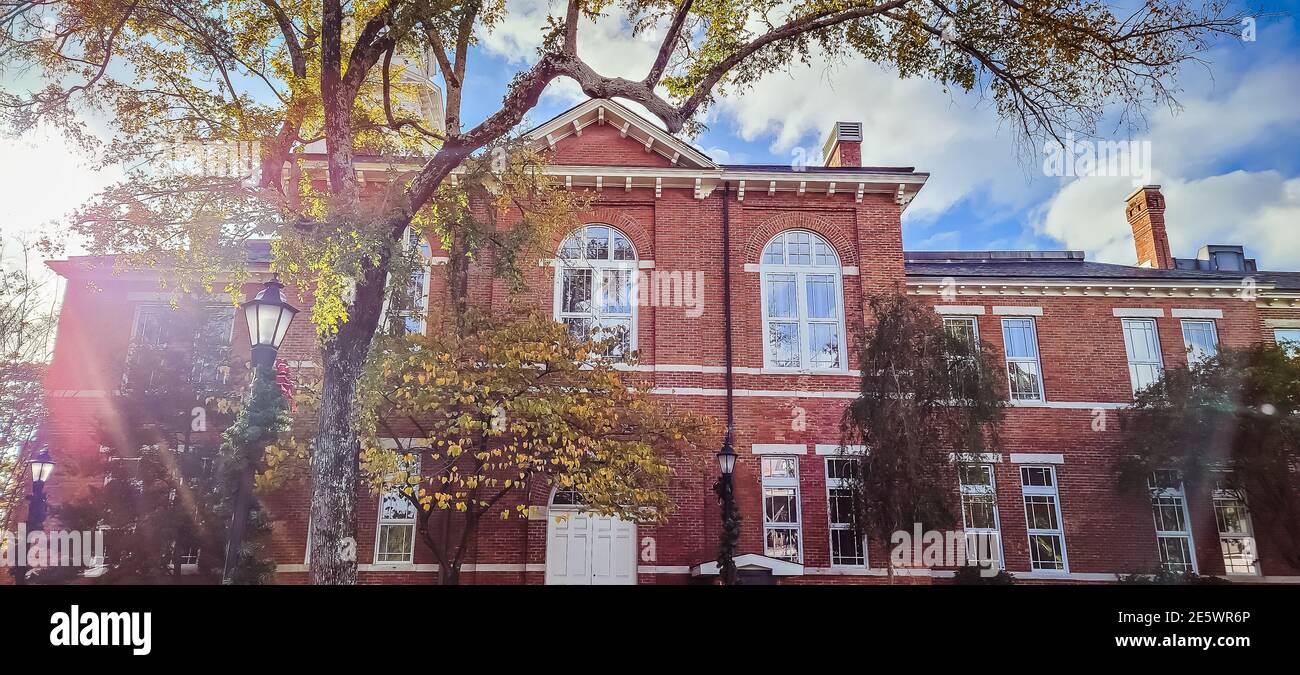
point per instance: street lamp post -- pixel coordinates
(268, 316)
(42, 467)
(725, 488)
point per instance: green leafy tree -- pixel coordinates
(282, 74)
(927, 394)
(1229, 422)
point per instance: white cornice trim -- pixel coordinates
(976, 457)
(948, 287)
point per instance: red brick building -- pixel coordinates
(807, 245)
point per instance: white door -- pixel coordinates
(588, 549)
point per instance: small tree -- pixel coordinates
(1229, 422)
(508, 401)
(927, 393)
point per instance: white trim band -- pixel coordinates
(969, 310)
(1196, 313)
(1037, 458)
(977, 457)
(779, 449)
(1017, 310)
(1138, 312)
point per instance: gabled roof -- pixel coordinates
(629, 124)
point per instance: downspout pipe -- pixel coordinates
(726, 311)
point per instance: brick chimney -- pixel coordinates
(844, 147)
(1146, 215)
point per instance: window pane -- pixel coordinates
(840, 467)
(840, 505)
(975, 475)
(783, 543)
(576, 293)
(597, 242)
(616, 291)
(774, 253)
(798, 248)
(572, 247)
(962, 329)
(1018, 336)
(783, 343)
(579, 328)
(1045, 552)
(825, 348)
(780, 505)
(1036, 476)
(982, 548)
(823, 256)
(781, 296)
(1140, 340)
(977, 511)
(1168, 513)
(396, 543)
(1040, 512)
(846, 548)
(1288, 338)
(623, 248)
(821, 296)
(1175, 554)
(780, 467)
(1024, 383)
(1238, 555)
(616, 334)
(1200, 340)
(1143, 375)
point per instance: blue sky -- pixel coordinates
(1229, 161)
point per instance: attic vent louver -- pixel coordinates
(848, 131)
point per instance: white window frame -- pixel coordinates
(990, 491)
(1134, 364)
(1054, 492)
(1251, 545)
(1036, 360)
(597, 288)
(782, 483)
(801, 319)
(831, 485)
(1179, 495)
(382, 522)
(1192, 353)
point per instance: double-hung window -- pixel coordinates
(1236, 536)
(979, 512)
(1173, 526)
(1288, 338)
(1043, 518)
(803, 303)
(596, 287)
(1142, 345)
(1200, 339)
(781, 532)
(395, 538)
(1024, 372)
(846, 542)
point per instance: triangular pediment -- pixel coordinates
(600, 131)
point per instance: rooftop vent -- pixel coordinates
(844, 146)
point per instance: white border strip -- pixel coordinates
(960, 309)
(1196, 313)
(981, 457)
(779, 449)
(1138, 312)
(1037, 458)
(1017, 310)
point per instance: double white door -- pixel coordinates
(586, 549)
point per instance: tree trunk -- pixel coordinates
(335, 457)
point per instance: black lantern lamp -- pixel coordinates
(727, 459)
(42, 467)
(268, 317)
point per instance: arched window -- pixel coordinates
(803, 303)
(595, 286)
